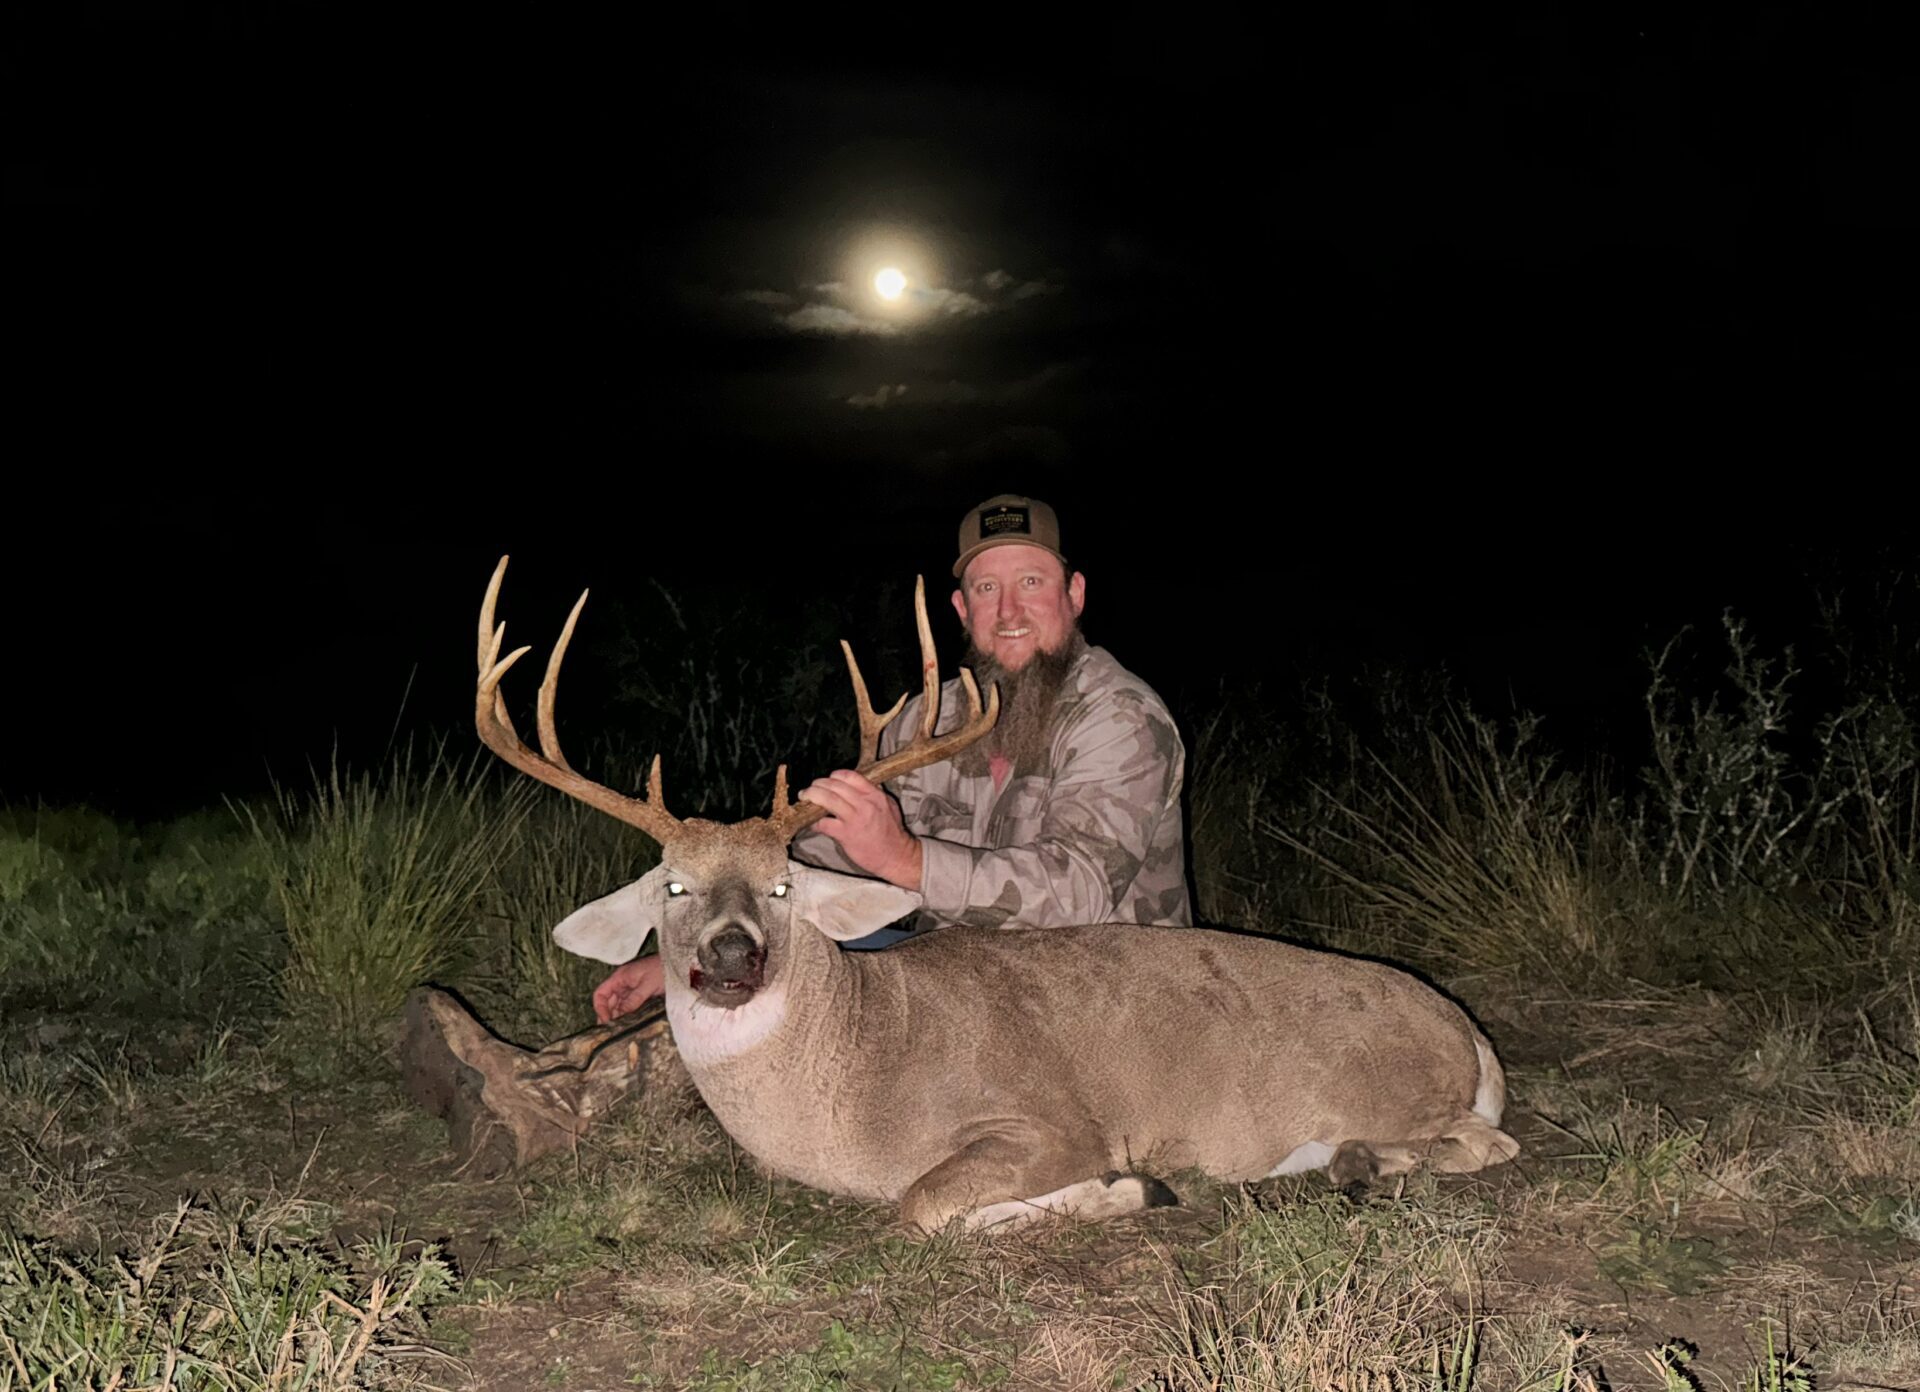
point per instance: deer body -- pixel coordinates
(974, 1069)
(1179, 1047)
(994, 1075)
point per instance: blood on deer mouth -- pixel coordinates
(736, 988)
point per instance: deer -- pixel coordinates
(992, 1077)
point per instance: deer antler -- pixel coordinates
(497, 732)
(921, 750)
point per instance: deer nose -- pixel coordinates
(732, 954)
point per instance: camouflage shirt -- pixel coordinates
(1097, 838)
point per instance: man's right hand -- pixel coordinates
(629, 988)
(866, 821)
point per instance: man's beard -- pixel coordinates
(1024, 732)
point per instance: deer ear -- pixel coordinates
(614, 929)
(845, 907)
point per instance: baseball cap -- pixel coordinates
(1007, 520)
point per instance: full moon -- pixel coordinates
(890, 283)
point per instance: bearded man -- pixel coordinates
(1067, 813)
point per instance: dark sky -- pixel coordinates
(1510, 343)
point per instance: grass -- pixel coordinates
(211, 1301)
(885, 1360)
(673, 1205)
(1477, 861)
(380, 882)
(1701, 976)
(1320, 1292)
(176, 917)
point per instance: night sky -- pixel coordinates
(1365, 335)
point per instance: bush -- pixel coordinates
(1473, 858)
(382, 882)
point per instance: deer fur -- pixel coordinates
(994, 1075)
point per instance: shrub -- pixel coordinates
(382, 881)
(1473, 859)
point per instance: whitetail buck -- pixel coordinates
(994, 1075)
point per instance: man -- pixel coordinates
(1067, 813)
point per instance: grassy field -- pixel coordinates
(1701, 975)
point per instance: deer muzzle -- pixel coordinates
(729, 967)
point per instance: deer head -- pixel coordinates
(725, 897)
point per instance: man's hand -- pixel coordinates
(867, 824)
(629, 988)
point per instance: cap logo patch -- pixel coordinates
(1006, 521)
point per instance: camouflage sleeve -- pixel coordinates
(820, 850)
(1117, 773)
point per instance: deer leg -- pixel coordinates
(1356, 1164)
(1473, 1145)
(506, 1106)
(1006, 1180)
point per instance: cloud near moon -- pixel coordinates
(855, 306)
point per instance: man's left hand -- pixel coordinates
(867, 824)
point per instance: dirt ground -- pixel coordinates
(1675, 1185)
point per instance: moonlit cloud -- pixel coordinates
(1010, 286)
(952, 304)
(843, 308)
(832, 319)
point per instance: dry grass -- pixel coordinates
(1073, 1355)
(1474, 857)
(212, 1301)
(1876, 1340)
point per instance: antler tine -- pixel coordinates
(929, 662)
(871, 722)
(490, 636)
(920, 751)
(497, 733)
(550, 688)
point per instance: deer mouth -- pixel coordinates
(728, 970)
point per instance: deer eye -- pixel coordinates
(675, 889)
(779, 891)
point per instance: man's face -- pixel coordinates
(1018, 600)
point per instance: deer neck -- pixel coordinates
(811, 991)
